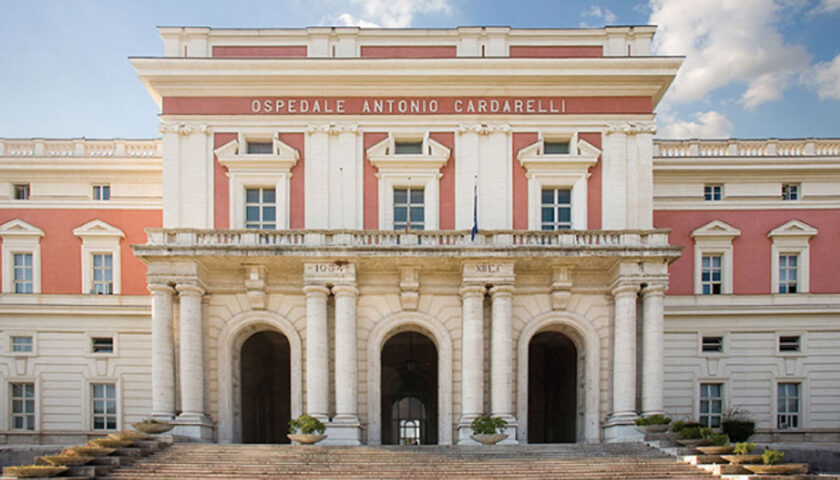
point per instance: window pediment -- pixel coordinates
(582, 156)
(233, 156)
(793, 228)
(19, 228)
(384, 157)
(98, 228)
(716, 229)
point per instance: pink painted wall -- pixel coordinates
(751, 251)
(258, 51)
(409, 51)
(556, 51)
(371, 184)
(447, 182)
(593, 185)
(221, 184)
(297, 185)
(61, 251)
(520, 182)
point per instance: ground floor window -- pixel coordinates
(104, 403)
(788, 406)
(23, 406)
(711, 404)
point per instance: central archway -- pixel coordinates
(266, 388)
(409, 390)
(552, 389)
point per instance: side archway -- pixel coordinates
(436, 331)
(231, 338)
(586, 340)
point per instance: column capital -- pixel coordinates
(344, 290)
(472, 290)
(625, 289)
(189, 289)
(155, 288)
(655, 289)
(316, 289)
(502, 290)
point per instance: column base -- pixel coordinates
(343, 431)
(162, 417)
(198, 427)
(622, 428)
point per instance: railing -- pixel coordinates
(80, 148)
(190, 238)
(747, 148)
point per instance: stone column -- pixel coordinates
(501, 359)
(163, 353)
(472, 356)
(653, 348)
(624, 356)
(192, 358)
(346, 367)
(317, 361)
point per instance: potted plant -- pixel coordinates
(653, 423)
(488, 430)
(35, 471)
(743, 454)
(695, 436)
(737, 424)
(772, 460)
(306, 430)
(152, 426)
(720, 445)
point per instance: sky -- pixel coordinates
(753, 68)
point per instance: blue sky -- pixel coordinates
(754, 68)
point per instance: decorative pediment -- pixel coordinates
(434, 156)
(793, 228)
(19, 228)
(98, 228)
(231, 156)
(583, 156)
(716, 229)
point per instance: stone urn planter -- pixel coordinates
(488, 438)
(66, 460)
(152, 426)
(35, 471)
(716, 450)
(779, 469)
(696, 442)
(306, 438)
(742, 459)
(653, 428)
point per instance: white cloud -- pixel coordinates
(710, 124)
(825, 79)
(389, 13)
(728, 42)
(827, 6)
(603, 13)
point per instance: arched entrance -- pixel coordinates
(409, 395)
(552, 388)
(266, 393)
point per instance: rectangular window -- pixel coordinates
(711, 404)
(103, 274)
(408, 148)
(556, 148)
(409, 209)
(22, 192)
(788, 406)
(22, 344)
(789, 344)
(102, 345)
(790, 191)
(101, 192)
(23, 406)
(22, 277)
(260, 208)
(261, 148)
(711, 274)
(712, 344)
(556, 209)
(713, 193)
(788, 273)
(104, 401)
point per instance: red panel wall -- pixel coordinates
(593, 185)
(520, 182)
(556, 51)
(297, 186)
(409, 51)
(221, 185)
(751, 251)
(257, 51)
(61, 251)
(371, 184)
(447, 182)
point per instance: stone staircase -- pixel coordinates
(584, 462)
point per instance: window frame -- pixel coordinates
(99, 238)
(26, 188)
(10, 415)
(261, 205)
(104, 269)
(20, 237)
(101, 192)
(555, 206)
(709, 196)
(785, 267)
(801, 403)
(796, 194)
(723, 344)
(409, 205)
(721, 399)
(715, 238)
(791, 238)
(90, 399)
(90, 338)
(712, 268)
(24, 268)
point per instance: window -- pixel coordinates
(788, 273)
(104, 400)
(261, 208)
(263, 148)
(556, 209)
(712, 274)
(789, 344)
(712, 193)
(712, 344)
(101, 192)
(788, 406)
(409, 211)
(22, 344)
(556, 148)
(102, 345)
(711, 404)
(790, 191)
(22, 192)
(22, 277)
(103, 274)
(23, 406)
(408, 148)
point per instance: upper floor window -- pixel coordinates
(711, 277)
(790, 257)
(408, 148)
(101, 192)
(555, 148)
(21, 191)
(790, 191)
(103, 274)
(409, 209)
(556, 209)
(22, 344)
(23, 406)
(788, 405)
(261, 208)
(711, 404)
(712, 193)
(713, 252)
(712, 344)
(788, 273)
(23, 275)
(102, 344)
(262, 148)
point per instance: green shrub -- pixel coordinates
(677, 426)
(771, 456)
(653, 420)
(306, 424)
(744, 448)
(484, 425)
(739, 430)
(691, 433)
(720, 439)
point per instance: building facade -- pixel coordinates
(398, 230)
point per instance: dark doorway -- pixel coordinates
(409, 390)
(552, 388)
(266, 397)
